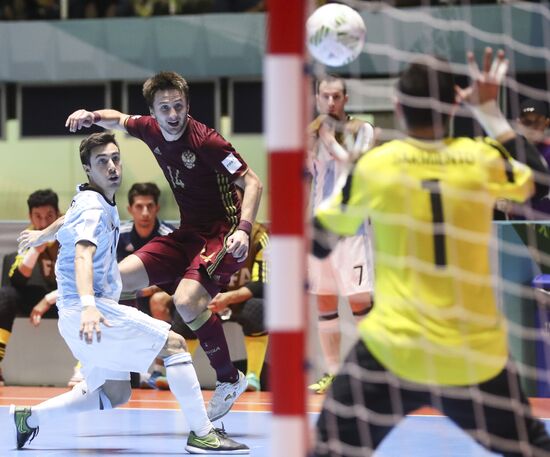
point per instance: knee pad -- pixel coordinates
(181, 328)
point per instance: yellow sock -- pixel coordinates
(4, 338)
(256, 347)
(192, 346)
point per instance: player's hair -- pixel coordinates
(92, 141)
(165, 80)
(144, 188)
(43, 197)
(329, 78)
(430, 79)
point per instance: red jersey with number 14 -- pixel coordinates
(201, 168)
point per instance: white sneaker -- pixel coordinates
(76, 377)
(224, 396)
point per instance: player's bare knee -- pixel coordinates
(191, 301)
(175, 344)
(118, 392)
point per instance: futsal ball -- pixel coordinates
(335, 34)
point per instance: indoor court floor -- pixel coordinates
(152, 425)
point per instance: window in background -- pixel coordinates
(43, 109)
(246, 106)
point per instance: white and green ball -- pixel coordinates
(336, 34)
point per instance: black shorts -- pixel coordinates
(495, 413)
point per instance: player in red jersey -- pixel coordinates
(195, 261)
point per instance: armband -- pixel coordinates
(97, 117)
(87, 300)
(491, 119)
(245, 226)
(51, 298)
(31, 256)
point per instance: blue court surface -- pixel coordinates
(162, 432)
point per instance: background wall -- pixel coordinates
(30, 164)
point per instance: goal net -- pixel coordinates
(441, 292)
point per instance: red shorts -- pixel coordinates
(192, 255)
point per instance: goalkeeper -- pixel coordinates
(435, 336)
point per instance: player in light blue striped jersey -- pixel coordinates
(96, 328)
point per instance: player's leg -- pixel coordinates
(79, 399)
(250, 315)
(185, 386)
(191, 300)
(181, 328)
(324, 288)
(8, 308)
(133, 274)
(376, 403)
(161, 304)
(328, 327)
(497, 414)
(191, 341)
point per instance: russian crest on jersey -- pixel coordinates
(336, 34)
(188, 158)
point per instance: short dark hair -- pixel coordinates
(43, 197)
(329, 78)
(165, 80)
(427, 80)
(92, 141)
(144, 188)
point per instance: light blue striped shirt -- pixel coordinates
(90, 218)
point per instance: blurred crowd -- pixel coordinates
(79, 9)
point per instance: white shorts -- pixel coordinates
(130, 344)
(348, 270)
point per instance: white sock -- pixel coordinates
(185, 386)
(329, 337)
(75, 401)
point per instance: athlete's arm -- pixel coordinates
(107, 118)
(30, 238)
(238, 242)
(90, 317)
(252, 193)
(481, 96)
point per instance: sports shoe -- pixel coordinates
(161, 383)
(148, 381)
(215, 442)
(2, 383)
(76, 377)
(23, 432)
(321, 386)
(224, 396)
(253, 383)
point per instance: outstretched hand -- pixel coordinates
(79, 119)
(28, 239)
(485, 82)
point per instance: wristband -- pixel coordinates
(491, 119)
(97, 117)
(51, 298)
(87, 300)
(245, 226)
(31, 256)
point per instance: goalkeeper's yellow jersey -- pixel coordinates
(435, 318)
